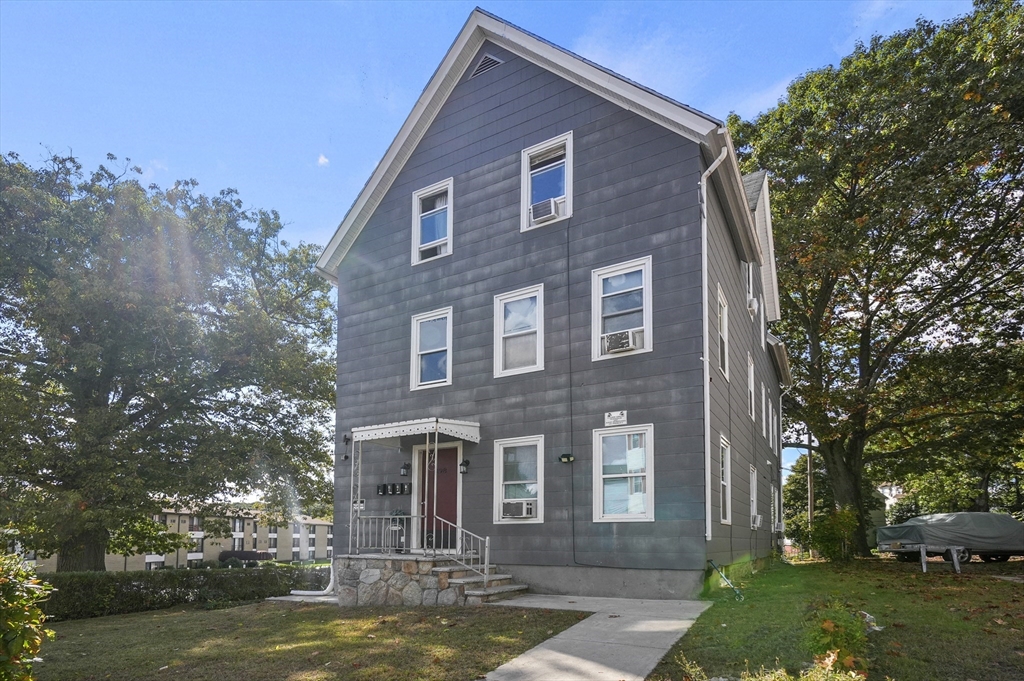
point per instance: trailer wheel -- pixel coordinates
(906, 557)
(995, 559)
(963, 555)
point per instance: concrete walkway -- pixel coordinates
(622, 641)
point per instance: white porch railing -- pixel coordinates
(403, 534)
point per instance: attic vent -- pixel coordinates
(485, 65)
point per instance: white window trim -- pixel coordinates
(414, 374)
(725, 479)
(751, 395)
(750, 290)
(499, 474)
(596, 276)
(723, 332)
(771, 426)
(764, 412)
(753, 495)
(524, 181)
(780, 424)
(417, 195)
(499, 316)
(760, 309)
(648, 516)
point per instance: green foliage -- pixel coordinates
(837, 636)
(897, 184)
(823, 671)
(96, 594)
(834, 535)
(158, 347)
(21, 619)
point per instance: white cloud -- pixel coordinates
(657, 56)
(323, 161)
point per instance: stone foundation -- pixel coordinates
(390, 580)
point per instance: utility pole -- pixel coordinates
(810, 482)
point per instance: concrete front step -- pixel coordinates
(472, 580)
(494, 593)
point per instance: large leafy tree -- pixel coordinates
(897, 187)
(156, 346)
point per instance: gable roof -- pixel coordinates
(752, 184)
(710, 133)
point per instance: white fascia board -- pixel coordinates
(782, 359)
(766, 237)
(464, 430)
(482, 26)
(729, 181)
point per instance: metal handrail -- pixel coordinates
(388, 533)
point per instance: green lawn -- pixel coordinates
(938, 626)
(297, 642)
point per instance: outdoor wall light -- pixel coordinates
(464, 466)
(406, 467)
(566, 458)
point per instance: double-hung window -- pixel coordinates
(764, 412)
(432, 222)
(751, 300)
(519, 484)
(621, 309)
(751, 403)
(771, 426)
(753, 499)
(431, 349)
(546, 182)
(624, 474)
(763, 329)
(725, 481)
(723, 333)
(519, 331)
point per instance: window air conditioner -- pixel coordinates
(519, 509)
(544, 211)
(622, 341)
(755, 521)
(752, 305)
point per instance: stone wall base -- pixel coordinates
(390, 580)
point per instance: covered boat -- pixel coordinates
(990, 535)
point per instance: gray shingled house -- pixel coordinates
(553, 356)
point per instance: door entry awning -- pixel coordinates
(388, 433)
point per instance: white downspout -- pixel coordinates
(707, 350)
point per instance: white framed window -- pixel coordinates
(771, 426)
(750, 290)
(774, 509)
(725, 480)
(624, 473)
(723, 333)
(760, 309)
(751, 402)
(764, 412)
(621, 309)
(519, 480)
(519, 331)
(431, 349)
(546, 182)
(432, 221)
(780, 424)
(753, 498)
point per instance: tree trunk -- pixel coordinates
(83, 553)
(844, 474)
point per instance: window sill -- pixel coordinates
(517, 372)
(426, 386)
(616, 355)
(539, 225)
(516, 521)
(725, 522)
(624, 519)
(426, 260)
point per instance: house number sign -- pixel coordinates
(615, 418)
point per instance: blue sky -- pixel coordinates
(293, 104)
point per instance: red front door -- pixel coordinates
(436, 534)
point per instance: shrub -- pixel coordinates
(833, 535)
(95, 594)
(822, 671)
(837, 635)
(21, 619)
(233, 563)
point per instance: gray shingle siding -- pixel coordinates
(634, 195)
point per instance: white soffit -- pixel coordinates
(482, 26)
(464, 430)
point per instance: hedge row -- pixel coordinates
(78, 595)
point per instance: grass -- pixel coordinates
(938, 626)
(296, 642)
